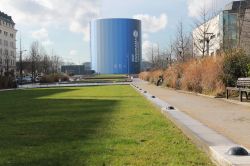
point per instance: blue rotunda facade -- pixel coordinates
(116, 46)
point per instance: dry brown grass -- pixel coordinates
(151, 76)
(172, 76)
(212, 76)
(202, 76)
(192, 76)
(144, 76)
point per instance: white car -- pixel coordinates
(27, 79)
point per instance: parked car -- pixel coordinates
(27, 79)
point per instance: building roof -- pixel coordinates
(236, 5)
(6, 18)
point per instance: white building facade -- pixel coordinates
(229, 29)
(207, 38)
(7, 44)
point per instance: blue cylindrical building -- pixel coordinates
(116, 46)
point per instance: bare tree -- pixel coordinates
(182, 46)
(170, 53)
(39, 62)
(34, 58)
(56, 63)
(202, 32)
(46, 63)
(149, 53)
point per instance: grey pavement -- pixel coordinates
(230, 119)
(214, 125)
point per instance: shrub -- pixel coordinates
(172, 76)
(192, 76)
(248, 68)
(209, 75)
(145, 76)
(235, 66)
(64, 78)
(212, 76)
(202, 76)
(7, 82)
(155, 76)
(52, 78)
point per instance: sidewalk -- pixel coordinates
(229, 119)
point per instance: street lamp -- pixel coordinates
(208, 41)
(128, 64)
(181, 53)
(21, 65)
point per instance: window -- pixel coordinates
(5, 33)
(11, 44)
(212, 37)
(0, 31)
(0, 41)
(6, 43)
(6, 52)
(12, 53)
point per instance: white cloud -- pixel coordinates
(42, 35)
(152, 24)
(73, 14)
(147, 48)
(82, 16)
(47, 43)
(195, 7)
(73, 53)
(145, 36)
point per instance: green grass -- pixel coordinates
(102, 80)
(114, 76)
(105, 125)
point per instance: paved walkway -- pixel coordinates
(229, 119)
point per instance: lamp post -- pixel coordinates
(207, 39)
(128, 65)
(181, 53)
(21, 61)
(21, 65)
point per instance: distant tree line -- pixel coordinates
(38, 61)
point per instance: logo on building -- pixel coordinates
(136, 33)
(136, 56)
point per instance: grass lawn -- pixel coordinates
(102, 80)
(105, 125)
(110, 76)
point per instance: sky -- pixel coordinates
(62, 26)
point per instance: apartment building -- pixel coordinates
(229, 29)
(7, 44)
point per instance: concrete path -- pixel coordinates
(228, 119)
(213, 143)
